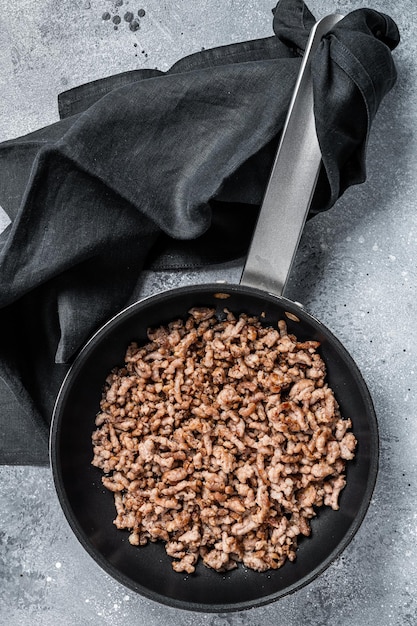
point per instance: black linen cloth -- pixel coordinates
(153, 169)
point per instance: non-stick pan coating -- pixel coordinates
(89, 507)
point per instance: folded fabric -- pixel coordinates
(153, 169)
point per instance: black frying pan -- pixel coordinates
(89, 507)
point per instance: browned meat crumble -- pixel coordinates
(221, 438)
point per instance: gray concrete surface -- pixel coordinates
(355, 270)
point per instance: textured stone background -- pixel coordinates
(355, 270)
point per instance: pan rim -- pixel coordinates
(110, 569)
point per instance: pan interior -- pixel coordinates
(89, 507)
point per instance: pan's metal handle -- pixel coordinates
(291, 185)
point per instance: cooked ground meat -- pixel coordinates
(221, 438)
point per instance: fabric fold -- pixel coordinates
(352, 72)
